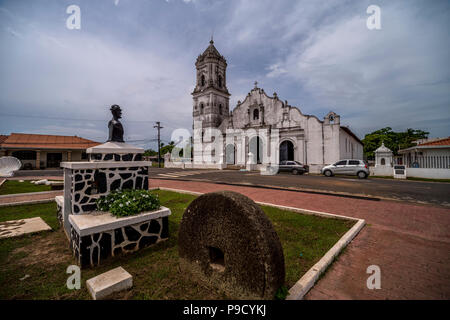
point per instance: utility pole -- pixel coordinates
(158, 126)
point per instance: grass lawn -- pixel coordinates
(156, 275)
(14, 186)
(155, 164)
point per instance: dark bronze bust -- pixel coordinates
(114, 126)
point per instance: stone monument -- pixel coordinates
(383, 156)
(227, 241)
(114, 165)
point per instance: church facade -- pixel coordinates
(262, 130)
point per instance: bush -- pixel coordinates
(123, 203)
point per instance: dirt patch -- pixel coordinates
(49, 249)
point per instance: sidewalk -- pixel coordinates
(410, 243)
(28, 197)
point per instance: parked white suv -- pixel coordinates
(347, 167)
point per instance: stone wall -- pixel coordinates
(90, 250)
(89, 184)
(115, 157)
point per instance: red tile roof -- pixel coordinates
(3, 138)
(440, 142)
(43, 141)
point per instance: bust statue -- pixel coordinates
(114, 125)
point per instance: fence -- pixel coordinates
(428, 162)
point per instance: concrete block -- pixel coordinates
(15, 228)
(105, 284)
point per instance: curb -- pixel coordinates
(301, 288)
(12, 195)
(304, 190)
(12, 204)
(305, 283)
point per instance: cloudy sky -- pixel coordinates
(140, 54)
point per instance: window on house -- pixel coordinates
(24, 155)
(255, 114)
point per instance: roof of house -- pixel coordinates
(439, 142)
(44, 141)
(347, 129)
(434, 144)
(3, 138)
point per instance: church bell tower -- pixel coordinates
(210, 104)
(211, 96)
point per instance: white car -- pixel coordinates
(347, 167)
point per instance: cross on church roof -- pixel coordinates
(256, 84)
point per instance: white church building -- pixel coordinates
(262, 130)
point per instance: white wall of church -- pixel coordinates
(349, 147)
(315, 142)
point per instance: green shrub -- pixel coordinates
(123, 203)
(282, 293)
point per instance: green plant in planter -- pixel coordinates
(128, 202)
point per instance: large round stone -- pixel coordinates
(226, 240)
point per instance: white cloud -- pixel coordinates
(319, 56)
(378, 78)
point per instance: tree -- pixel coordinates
(393, 140)
(167, 148)
(150, 152)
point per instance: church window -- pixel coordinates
(203, 81)
(220, 81)
(202, 107)
(331, 118)
(255, 114)
(220, 109)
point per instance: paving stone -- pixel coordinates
(105, 284)
(14, 228)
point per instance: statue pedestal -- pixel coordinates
(93, 235)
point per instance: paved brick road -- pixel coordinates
(410, 243)
(404, 190)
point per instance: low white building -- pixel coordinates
(383, 162)
(428, 153)
(261, 130)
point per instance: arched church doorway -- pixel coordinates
(230, 153)
(256, 148)
(286, 150)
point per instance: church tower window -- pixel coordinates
(202, 107)
(255, 114)
(203, 81)
(220, 109)
(220, 81)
